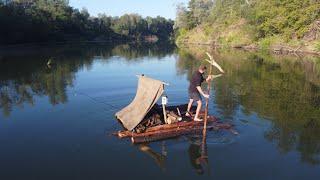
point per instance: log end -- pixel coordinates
(122, 134)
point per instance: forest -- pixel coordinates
(30, 21)
(257, 23)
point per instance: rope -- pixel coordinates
(96, 101)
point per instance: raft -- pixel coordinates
(145, 121)
(167, 131)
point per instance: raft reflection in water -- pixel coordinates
(197, 160)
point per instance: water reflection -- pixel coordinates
(198, 162)
(26, 73)
(285, 90)
(159, 158)
(198, 155)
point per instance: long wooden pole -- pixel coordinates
(206, 118)
(204, 138)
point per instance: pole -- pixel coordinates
(164, 113)
(204, 132)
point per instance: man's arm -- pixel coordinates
(201, 92)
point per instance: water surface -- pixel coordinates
(56, 120)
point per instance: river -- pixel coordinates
(57, 120)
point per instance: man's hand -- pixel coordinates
(206, 96)
(201, 92)
(209, 78)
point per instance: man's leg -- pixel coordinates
(189, 107)
(198, 110)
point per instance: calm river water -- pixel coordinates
(56, 121)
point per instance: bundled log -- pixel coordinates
(151, 131)
(172, 118)
(125, 134)
(175, 132)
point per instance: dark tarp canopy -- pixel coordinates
(148, 92)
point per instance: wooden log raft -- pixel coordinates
(126, 134)
(173, 130)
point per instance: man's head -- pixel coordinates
(202, 69)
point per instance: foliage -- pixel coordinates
(288, 17)
(196, 13)
(266, 43)
(24, 21)
(264, 20)
(318, 45)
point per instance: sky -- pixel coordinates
(153, 8)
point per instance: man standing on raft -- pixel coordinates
(195, 91)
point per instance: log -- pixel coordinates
(172, 130)
(171, 119)
(171, 133)
(124, 134)
(171, 113)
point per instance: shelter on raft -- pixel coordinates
(145, 121)
(148, 93)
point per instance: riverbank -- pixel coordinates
(241, 34)
(276, 49)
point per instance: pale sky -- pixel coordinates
(153, 8)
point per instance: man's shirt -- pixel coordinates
(196, 80)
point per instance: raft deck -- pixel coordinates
(166, 131)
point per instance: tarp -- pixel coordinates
(148, 92)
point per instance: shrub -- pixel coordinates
(317, 46)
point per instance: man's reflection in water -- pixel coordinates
(195, 154)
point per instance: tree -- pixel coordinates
(200, 10)
(184, 19)
(54, 20)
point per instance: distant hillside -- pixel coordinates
(289, 25)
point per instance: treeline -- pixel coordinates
(245, 22)
(24, 21)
